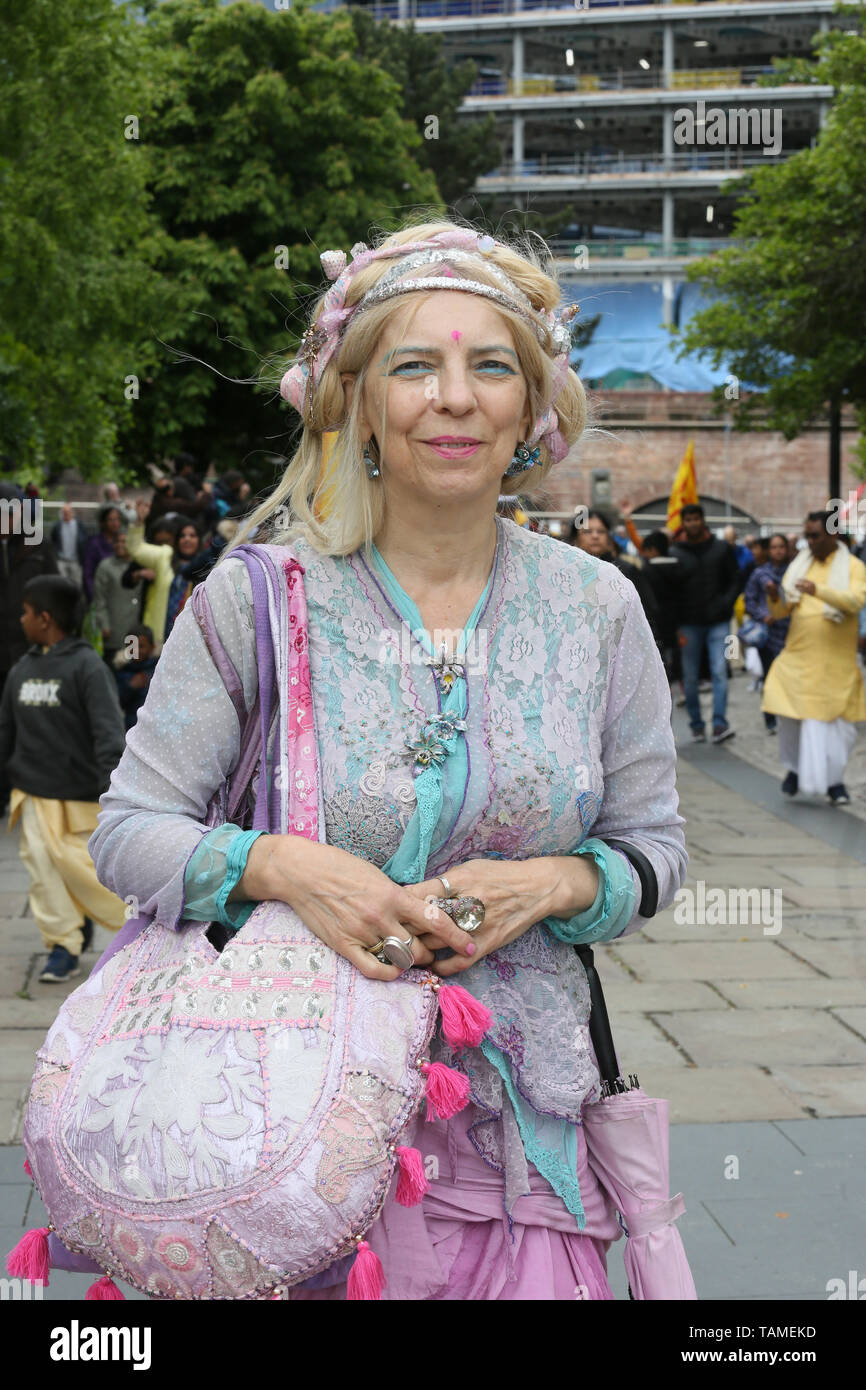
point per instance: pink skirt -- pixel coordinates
(456, 1245)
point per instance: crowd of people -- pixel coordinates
(800, 602)
(131, 573)
(84, 614)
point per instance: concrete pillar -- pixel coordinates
(667, 53)
(517, 63)
(516, 140)
(402, 10)
(667, 299)
(668, 137)
(668, 220)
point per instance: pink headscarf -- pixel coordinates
(322, 338)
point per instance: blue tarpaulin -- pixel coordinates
(630, 335)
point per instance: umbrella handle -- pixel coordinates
(599, 1023)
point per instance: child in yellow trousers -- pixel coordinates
(61, 736)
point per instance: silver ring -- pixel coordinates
(467, 913)
(397, 952)
(449, 891)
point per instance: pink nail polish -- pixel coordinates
(470, 949)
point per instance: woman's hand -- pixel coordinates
(345, 901)
(142, 508)
(516, 894)
(772, 588)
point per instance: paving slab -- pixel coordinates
(764, 1037)
(641, 1043)
(666, 929)
(816, 993)
(853, 1018)
(815, 1223)
(712, 1094)
(711, 960)
(832, 896)
(837, 1137)
(827, 927)
(656, 997)
(834, 958)
(824, 1091)
(13, 904)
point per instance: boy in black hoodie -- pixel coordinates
(61, 736)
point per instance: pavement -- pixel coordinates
(744, 1004)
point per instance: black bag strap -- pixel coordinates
(599, 1030)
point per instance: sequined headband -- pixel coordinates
(322, 338)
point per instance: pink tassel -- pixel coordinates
(412, 1182)
(464, 1019)
(29, 1260)
(447, 1091)
(366, 1277)
(104, 1289)
(27, 1169)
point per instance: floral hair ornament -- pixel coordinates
(322, 338)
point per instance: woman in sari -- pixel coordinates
(490, 709)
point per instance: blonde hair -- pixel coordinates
(356, 502)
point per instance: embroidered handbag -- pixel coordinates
(223, 1125)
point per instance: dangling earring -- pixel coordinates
(524, 459)
(371, 464)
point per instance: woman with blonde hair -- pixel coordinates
(490, 710)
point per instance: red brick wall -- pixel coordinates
(763, 473)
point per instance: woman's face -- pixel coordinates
(593, 537)
(112, 522)
(457, 402)
(187, 542)
(778, 551)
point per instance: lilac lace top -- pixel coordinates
(567, 732)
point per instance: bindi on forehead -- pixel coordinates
(456, 334)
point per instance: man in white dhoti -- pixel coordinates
(815, 686)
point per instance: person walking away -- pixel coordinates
(711, 581)
(664, 575)
(116, 604)
(815, 687)
(133, 667)
(61, 736)
(100, 546)
(69, 539)
(756, 607)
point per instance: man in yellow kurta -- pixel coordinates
(814, 686)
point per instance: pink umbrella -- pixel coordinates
(627, 1141)
(627, 1149)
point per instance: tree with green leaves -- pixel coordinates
(269, 140)
(456, 148)
(788, 304)
(75, 288)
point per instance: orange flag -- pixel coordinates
(684, 490)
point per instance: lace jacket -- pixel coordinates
(567, 732)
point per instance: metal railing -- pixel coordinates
(731, 158)
(621, 80)
(455, 9)
(653, 249)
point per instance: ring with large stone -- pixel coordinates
(397, 952)
(466, 912)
